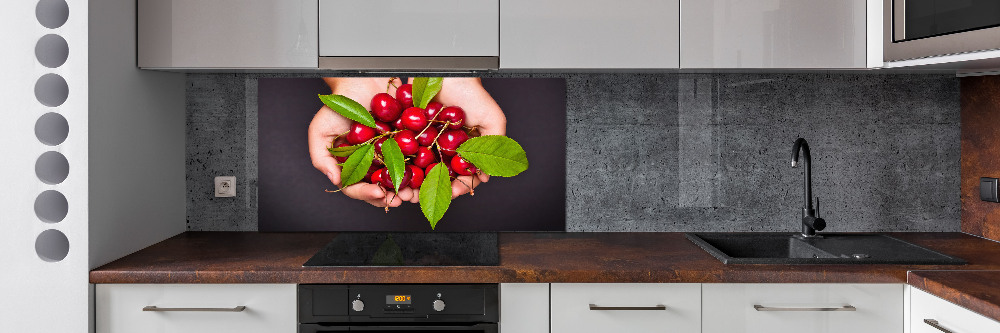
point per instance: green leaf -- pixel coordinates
(343, 151)
(356, 167)
(424, 89)
(393, 158)
(349, 108)
(496, 155)
(435, 194)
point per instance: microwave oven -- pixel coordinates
(915, 29)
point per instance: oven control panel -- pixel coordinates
(400, 303)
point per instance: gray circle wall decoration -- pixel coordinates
(51, 129)
(51, 206)
(51, 90)
(52, 245)
(52, 13)
(51, 51)
(52, 167)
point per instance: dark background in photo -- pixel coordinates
(291, 194)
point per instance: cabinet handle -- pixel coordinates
(233, 309)
(759, 307)
(630, 308)
(935, 324)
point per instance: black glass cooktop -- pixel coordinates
(409, 249)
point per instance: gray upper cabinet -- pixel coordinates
(776, 34)
(220, 34)
(406, 34)
(405, 28)
(584, 34)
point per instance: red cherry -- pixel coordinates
(398, 124)
(385, 108)
(427, 138)
(450, 140)
(432, 109)
(386, 181)
(382, 128)
(371, 171)
(418, 176)
(404, 94)
(378, 145)
(341, 159)
(360, 133)
(407, 141)
(454, 115)
(451, 173)
(376, 178)
(463, 167)
(424, 157)
(413, 119)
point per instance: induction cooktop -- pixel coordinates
(409, 249)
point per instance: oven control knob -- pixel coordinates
(438, 305)
(358, 305)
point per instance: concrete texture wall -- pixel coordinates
(682, 152)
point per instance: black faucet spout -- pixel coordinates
(810, 222)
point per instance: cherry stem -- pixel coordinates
(328, 191)
(392, 83)
(472, 190)
(390, 200)
(435, 143)
(335, 138)
(384, 194)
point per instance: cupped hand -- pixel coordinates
(328, 124)
(481, 111)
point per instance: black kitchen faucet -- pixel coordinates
(810, 222)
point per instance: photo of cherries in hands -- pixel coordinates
(412, 140)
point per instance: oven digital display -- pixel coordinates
(397, 299)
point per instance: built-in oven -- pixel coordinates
(465, 308)
(927, 28)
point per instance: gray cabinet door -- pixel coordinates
(773, 34)
(589, 34)
(406, 28)
(227, 34)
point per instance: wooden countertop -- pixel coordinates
(978, 291)
(251, 257)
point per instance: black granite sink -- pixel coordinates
(786, 248)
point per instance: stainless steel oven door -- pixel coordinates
(915, 29)
(471, 328)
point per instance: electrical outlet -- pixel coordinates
(225, 186)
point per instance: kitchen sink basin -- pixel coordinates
(789, 248)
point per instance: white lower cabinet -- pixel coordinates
(626, 307)
(802, 308)
(930, 314)
(524, 307)
(196, 308)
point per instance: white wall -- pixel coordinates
(125, 150)
(137, 186)
(36, 295)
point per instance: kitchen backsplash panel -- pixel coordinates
(681, 152)
(980, 153)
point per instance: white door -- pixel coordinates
(196, 308)
(802, 308)
(930, 314)
(626, 307)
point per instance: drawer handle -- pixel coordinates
(234, 309)
(629, 308)
(759, 307)
(935, 324)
